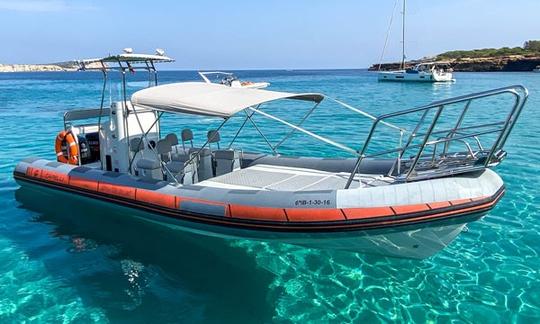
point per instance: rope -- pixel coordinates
(363, 113)
(387, 35)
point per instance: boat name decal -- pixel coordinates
(313, 202)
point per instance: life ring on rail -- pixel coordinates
(73, 148)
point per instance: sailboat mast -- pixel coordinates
(403, 38)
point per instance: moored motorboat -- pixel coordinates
(411, 204)
(229, 79)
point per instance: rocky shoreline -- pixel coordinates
(52, 67)
(35, 68)
(511, 63)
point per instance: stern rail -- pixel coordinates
(415, 161)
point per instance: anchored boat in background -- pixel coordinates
(407, 200)
(423, 72)
(229, 79)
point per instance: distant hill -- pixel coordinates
(524, 58)
(530, 48)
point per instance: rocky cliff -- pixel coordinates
(34, 68)
(53, 67)
(510, 63)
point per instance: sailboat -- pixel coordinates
(423, 72)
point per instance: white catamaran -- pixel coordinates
(423, 72)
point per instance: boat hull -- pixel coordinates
(413, 231)
(402, 76)
(418, 242)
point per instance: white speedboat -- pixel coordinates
(229, 79)
(423, 72)
(410, 199)
(537, 69)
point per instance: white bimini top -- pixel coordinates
(209, 99)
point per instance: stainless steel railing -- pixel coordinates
(424, 165)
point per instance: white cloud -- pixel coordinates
(43, 6)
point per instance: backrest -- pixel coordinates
(164, 149)
(190, 174)
(172, 139)
(226, 161)
(213, 137)
(163, 146)
(136, 144)
(204, 161)
(187, 135)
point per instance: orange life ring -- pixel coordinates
(73, 148)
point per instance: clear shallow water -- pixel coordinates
(70, 260)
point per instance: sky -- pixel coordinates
(238, 34)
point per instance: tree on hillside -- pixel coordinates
(532, 45)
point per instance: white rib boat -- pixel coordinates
(409, 200)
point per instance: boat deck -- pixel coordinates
(280, 178)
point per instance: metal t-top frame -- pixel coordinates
(123, 64)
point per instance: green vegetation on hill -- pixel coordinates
(531, 47)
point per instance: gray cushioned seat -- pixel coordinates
(148, 164)
(226, 161)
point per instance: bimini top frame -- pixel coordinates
(221, 101)
(209, 99)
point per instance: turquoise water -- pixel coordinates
(65, 260)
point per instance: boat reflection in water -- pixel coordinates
(122, 263)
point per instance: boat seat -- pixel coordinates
(204, 163)
(164, 149)
(180, 151)
(185, 174)
(213, 137)
(147, 168)
(136, 145)
(226, 161)
(186, 136)
(172, 139)
(148, 164)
